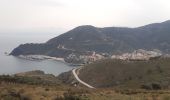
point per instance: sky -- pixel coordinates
(57, 16)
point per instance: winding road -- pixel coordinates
(79, 80)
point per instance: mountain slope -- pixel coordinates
(127, 74)
(102, 40)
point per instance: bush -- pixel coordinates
(153, 86)
(58, 98)
(24, 97)
(68, 96)
(156, 86)
(47, 89)
(147, 87)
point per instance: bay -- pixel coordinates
(12, 65)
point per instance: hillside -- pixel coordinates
(32, 77)
(40, 92)
(33, 85)
(110, 40)
(128, 74)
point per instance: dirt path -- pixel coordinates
(78, 79)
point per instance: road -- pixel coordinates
(79, 80)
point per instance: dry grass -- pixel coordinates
(32, 91)
(35, 92)
(127, 74)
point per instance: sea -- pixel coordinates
(11, 65)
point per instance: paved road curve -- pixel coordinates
(78, 79)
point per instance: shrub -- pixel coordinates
(147, 87)
(58, 98)
(153, 86)
(47, 89)
(68, 96)
(24, 97)
(156, 86)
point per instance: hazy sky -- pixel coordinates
(62, 15)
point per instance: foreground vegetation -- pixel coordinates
(38, 92)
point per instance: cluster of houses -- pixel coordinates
(84, 59)
(75, 58)
(138, 55)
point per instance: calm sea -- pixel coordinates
(12, 65)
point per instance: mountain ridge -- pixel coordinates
(111, 40)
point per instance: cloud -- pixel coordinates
(50, 3)
(41, 14)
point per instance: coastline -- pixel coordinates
(44, 57)
(40, 57)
